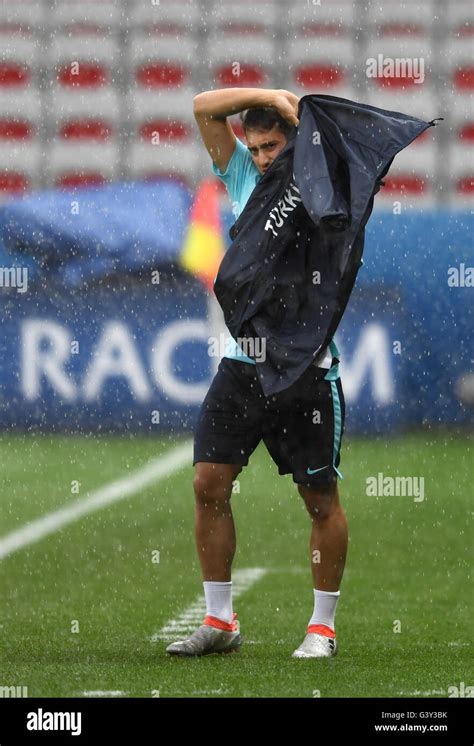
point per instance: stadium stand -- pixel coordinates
(96, 90)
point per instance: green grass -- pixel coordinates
(407, 561)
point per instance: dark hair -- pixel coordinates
(264, 119)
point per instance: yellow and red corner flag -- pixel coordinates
(203, 246)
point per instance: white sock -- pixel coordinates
(324, 611)
(219, 599)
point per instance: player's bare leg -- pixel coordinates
(214, 522)
(329, 535)
(216, 544)
(328, 549)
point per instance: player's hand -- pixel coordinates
(286, 103)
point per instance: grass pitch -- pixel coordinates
(80, 607)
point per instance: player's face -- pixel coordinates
(265, 146)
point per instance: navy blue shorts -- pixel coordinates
(302, 426)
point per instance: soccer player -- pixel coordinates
(301, 426)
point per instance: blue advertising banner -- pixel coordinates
(132, 353)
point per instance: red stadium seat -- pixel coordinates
(461, 172)
(21, 17)
(86, 17)
(147, 161)
(399, 64)
(320, 66)
(84, 62)
(169, 17)
(460, 62)
(20, 114)
(460, 19)
(411, 177)
(76, 164)
(163, 63)
(20, 61)
(330, 19)
(84, 114)
(418, 101)
(164, 118)
(394, 18)
(241, 61)
(246, 18)
(19, 166)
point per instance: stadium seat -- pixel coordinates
(461, 173)
(393, 18)
(417, 101)
(168, 17)
(19, 167)
(19, 62)
(169, 115)
(241, 61)
(21, 16)
(333, 18)
(418, 53)
(162, 65)
(411, 177)
(321, 66)
(84, 114)
(20, 114)
(147, 161)
(73, 164)
(250, 17)
(457, 57)
(95, 56)
(460, 19)
(460, 120)
(85, 16)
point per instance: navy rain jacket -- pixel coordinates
(297, 245)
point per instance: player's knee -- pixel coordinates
(320, 502)
(213, 482)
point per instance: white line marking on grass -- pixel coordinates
(100, 693)
(194, 615)
(100, 498)
(417, 693)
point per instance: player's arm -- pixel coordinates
(211, 109)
